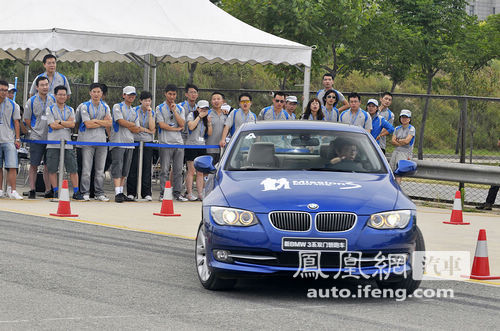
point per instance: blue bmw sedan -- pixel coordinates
(305, 199)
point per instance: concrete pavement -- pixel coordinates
(138, 216)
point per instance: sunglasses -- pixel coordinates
(245, 101)
(331, 97)
(280, 101)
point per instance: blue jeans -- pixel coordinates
(8, 154)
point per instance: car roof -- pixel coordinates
(301, 125)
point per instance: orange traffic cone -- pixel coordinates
(63, 209)
(456, 213)
(167, 203)
(481, 264)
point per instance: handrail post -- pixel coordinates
(62, 145)
(139, 169)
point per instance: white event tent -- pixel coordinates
(146, 32)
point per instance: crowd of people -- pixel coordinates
(190, 125)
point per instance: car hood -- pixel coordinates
(265, 191)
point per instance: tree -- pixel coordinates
(341, 27)
(383, 46)
(478, 46)
(436, 25)
(290, 19)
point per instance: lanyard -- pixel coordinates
(245, 119)
(128, 109)
(3, 110)
(355, 118)
(274, 114)
(170, 112)
(145, 117)
(63, 114)
(329, 115)
(44, 104)
(93, 109)
(53, 79)
(189, 108)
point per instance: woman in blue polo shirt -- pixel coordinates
(330, 100)
(313, 111)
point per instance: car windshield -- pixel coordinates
(304, 150)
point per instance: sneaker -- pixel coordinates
(49, 194)
(1, 193)
(148, 198)
(15, 195)
(180, 197)
(78, 196)
(102, 198)
(161, 197)
(485, 206)
(55, 195)
(32, 194)
(120, 197)
(191, 197)
(86, 197)
(129, 197)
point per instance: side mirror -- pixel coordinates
(406, 168)
(205, 164)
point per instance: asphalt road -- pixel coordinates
(59, 275)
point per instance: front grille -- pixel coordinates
(335, 222)
(290, 220)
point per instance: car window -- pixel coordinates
(304, 150)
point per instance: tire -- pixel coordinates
(408, 283)
(208, 278)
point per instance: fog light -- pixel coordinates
(222, 255)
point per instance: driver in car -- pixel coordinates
(346, 151)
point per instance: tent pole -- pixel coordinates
(147, 71)
(153, 87)
(96, 72)
(26, 75)
(307, 82)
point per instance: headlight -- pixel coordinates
(390, 220)
(231, 216)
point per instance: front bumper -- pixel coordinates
(256, 250)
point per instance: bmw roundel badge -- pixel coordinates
(312, 206)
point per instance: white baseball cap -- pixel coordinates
(405, 112)
(226, 107)
(375, 102)
(291, 98)
(129, 90)
(203, 104)
(12, 88)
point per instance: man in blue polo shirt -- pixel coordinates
(55, 78)
(36, 121)
(9, 141)
(328, 85)
(125, 124)
(385, 112)
(355, 115)
(274, 112)
(171, 119)
(238, 117)
(380, 127)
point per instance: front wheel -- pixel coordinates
(207, 277)
(408, 283)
